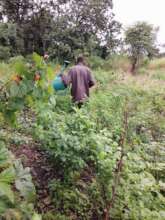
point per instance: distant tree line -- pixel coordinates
(62, 28)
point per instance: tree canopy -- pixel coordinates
(62, 27)
(141, 40)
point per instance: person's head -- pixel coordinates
(80, 59)
(46, 56)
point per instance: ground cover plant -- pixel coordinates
(104, 161)
(16, 188)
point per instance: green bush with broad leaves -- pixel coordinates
(17, 192)
(108, 156)
(22, 88)
(19, 89)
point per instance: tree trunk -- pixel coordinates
(134, 64)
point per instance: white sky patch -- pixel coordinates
(152, 11)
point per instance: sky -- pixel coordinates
(152, 11)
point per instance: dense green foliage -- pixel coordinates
(108, 157)
(21, 89)
(17, 191)
(85, 146)
(62, 28)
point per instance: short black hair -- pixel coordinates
(80, 59)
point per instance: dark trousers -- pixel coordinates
(80, 104)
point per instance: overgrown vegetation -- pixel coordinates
(108, 157)
(17, 192)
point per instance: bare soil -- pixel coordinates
(41, 170)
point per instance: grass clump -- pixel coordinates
(158, 63)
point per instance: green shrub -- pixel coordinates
(13, 173)
(96, 62)
(4, 53)
(159, 75)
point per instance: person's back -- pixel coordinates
(81, 79)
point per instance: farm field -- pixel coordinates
(103, 161)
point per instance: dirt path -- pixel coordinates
(41, 171)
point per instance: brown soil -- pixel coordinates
(41, 171)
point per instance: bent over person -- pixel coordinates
(81, 80)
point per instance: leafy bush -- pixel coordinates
(5, 72)
(4, 53)
(96, 62)
(108, 156)
(85, 147)
(17, 192)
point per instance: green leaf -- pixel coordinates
(38, 60)
(36, 217)
(14, 89)
(5, 156)
(20, 67)
(23, 90)
(16, 104)
(5, 190)
(3, 206)
(24, 183)
(50, 73)
(10, 116)
(7, 176)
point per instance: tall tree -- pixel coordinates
(16, 11)
(32, 19)
(63, 26)
(141, 41)
(85, 25)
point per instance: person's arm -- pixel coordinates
(91, 79)
(67, 79)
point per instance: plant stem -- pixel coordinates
(118, 169)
